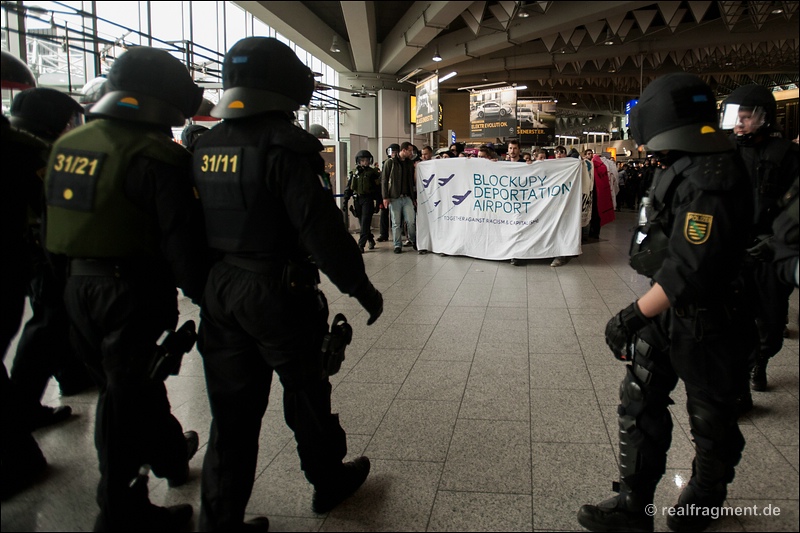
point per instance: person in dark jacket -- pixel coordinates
(399, 190)
(122, 213)
(273, 225)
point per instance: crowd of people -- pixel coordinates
(244, 222)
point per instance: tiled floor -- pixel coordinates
(485, 397)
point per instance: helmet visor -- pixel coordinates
(75, 120)
(743, 119)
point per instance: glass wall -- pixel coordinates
(68, 45)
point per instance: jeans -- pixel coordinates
(403, 208)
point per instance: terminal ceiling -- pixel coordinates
(596, 54)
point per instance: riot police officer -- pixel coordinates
(690, 325)
(44, 349)
(364, 183)
(24, 154)
(121, 209)
(772, 164)
(273, 223)
(786, 242)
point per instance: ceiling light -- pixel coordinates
(436, 57)
(336, 46)
(521, 87)
(574, 103)
(409, 75)
(448, 76)
(523, 14)
(485, 78)
(473, 87)
(777, 11)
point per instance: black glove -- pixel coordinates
(370, 299)
(348, 193)
(621, 329)
(762, 249)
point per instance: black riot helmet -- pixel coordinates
(363, 154)
(319, 131)
(45, 112)
(15, 73)
(262, 74)
(149, 85)
(393, 149)
(678, 112)
(751, 103)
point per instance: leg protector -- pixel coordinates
(645, 433)
(718, 448)
(718, 443)
(645, 424)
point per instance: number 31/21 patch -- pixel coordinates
(73, 178)
(698, 227)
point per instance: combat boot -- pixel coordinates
(758, 376)
(330, 494)
(696, 508)
(623, 512)
(699, 503)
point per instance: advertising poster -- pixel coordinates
(500, 210)
(428, 105)
(536, 122)
(492, 113)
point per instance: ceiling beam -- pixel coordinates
(417, 28)
(710, 35)
(297, 23)
(561, 17)
(359, 17)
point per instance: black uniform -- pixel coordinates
(121, 295)
(697, 222)
(787, 236)
(772, 166)
(262, 311)
(365, 184)
(22, 459)
(44, 349)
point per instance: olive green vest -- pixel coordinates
(88, 214)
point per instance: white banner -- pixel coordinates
(499, 210)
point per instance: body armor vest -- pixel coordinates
(88, 215)
(650, 243)
(232, 167)
(362, 181)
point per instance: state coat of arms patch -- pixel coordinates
(697, 228)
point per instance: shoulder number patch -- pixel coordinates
(697, 228)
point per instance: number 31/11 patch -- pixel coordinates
(697, 228)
